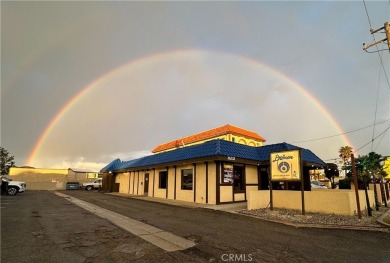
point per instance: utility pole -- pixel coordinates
(386, 27)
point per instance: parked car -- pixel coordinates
(12, 187)
(93, 185)
(187, 184)
(317, 184)
(72, 185)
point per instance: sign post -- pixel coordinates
(271, 201)
(302, 191)
(286, 166)
(355, 182)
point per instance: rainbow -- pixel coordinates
(84, 92)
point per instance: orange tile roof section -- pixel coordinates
(226, 129)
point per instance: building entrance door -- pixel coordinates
(146, 184)
(238, 179)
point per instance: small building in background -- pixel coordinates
(51, 179)
(82, 175)
(386, 167)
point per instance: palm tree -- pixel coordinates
(345, 153)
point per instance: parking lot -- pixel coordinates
(40, 226)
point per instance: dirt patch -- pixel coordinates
(293, 216)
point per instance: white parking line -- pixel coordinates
(158, 237)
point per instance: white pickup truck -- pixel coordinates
(93, 185)
(14, 187)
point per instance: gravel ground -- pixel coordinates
(330, 220)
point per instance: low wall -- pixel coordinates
(319, 200)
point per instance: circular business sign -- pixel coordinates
(283, 167)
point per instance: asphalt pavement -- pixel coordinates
(158, 237)
(39, 226)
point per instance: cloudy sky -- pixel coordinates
(83, 83)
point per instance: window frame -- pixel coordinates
(183, 179)
(160, 181)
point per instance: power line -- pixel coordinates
(327, 137)
(337, 158)
(372, 140)
(373, 36)
(368, 17)
(386, 28)
(379, 141)
(376, 109)
(384, 70)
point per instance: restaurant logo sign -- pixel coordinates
(286, 166)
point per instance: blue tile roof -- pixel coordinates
(209, 149)
(112, 166)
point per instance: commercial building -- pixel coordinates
(213, 171)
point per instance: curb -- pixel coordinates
(322, 226)
(381, 219)
(300, 225)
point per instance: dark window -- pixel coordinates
(186, 179)
(163, 177)
(264, 185)
(238, 178)
(233, 139)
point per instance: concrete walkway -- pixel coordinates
(163, 239)
(232, 208)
